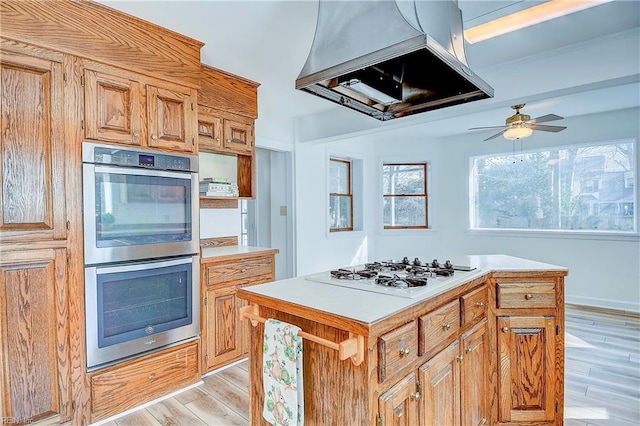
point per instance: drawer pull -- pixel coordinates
(480, 304)
(154, 137)
(468, 350)
(136, 134)
(404, 351)
(243, 270)
(459, 357)
(505, 329)
(528, 296)
(152, 377)
(446, 326)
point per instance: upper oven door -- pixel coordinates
(133, 213)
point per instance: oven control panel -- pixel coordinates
(109, 155)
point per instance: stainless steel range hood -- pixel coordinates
(390, 59)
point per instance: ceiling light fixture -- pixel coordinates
(525, 18)
(517, 132)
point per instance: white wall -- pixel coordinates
(317, 248)
(616, 286)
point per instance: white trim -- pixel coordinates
(603, 303)
(274, 145)
(549, 233)
(357, 192)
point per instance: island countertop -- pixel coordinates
(368, 307)
(232, 250)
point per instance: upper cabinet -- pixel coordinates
(126, 108)
(227, 109)
(32, 147)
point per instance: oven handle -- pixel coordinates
(142, 172)
(143, 266)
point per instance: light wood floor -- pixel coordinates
(602, 382)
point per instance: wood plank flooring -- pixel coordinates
(602, 381)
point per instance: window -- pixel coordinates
(404, 193)
(582, 187)
(340, 195)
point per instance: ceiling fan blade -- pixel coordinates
(546, 128)
(545, 118)
(489, 127)
(494, 136)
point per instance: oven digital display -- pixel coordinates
(146, 160)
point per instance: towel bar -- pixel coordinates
(353, 347)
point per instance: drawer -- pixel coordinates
(526, 295)
(474, 305)
(397, 349)
(143, 380)
(437, 326)
(241, 271)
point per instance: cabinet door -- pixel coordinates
(172, 118)
(399, 405)
(440, 379)
(526, 347)
(113, 108)
(238, 136)
(33, 336)
(474, 376)
(224, 339)
(32, 149)
(209, 132)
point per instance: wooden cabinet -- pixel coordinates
(32, 148)
(526, 350)
(399, 405)
(123, 107)
(224, 334)
(454, 382)
(529, 350)
(34, 341)
(144, 379)
(227, 108)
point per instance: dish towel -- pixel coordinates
(282, 374)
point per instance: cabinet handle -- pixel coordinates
(243, 270)
(480, 304)
(446, 326)
(459, 357)
(154, 137)
(415, 396)
(468, 350)
(152, 377)
(404, 351)
(505, 329)
(528, 296)
(136, 134)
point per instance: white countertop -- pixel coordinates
(230, 251)
(369, 307)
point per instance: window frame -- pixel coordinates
(349, 164)
(585, 233)
(425, 193)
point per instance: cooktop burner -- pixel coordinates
(402, 278)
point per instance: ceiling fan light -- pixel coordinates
(517, 132)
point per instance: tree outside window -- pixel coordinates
(582, 187)
(404, 193)
(340, 195)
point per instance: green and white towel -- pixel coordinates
(282, 374)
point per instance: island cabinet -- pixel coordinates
(528, 340)
(128, 108)
(224, 335)
(485, 350)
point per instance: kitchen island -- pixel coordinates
(483, 347)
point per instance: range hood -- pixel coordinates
(389, 59)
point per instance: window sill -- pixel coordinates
(345, 234)
(577, 235)
(407, 231)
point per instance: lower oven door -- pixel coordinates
(137, 307)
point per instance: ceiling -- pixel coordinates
(583, 63)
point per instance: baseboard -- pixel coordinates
(604, 304)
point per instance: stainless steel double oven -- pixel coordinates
(141, 245)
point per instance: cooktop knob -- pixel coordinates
(416, 262)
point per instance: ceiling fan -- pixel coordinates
(520, 126)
